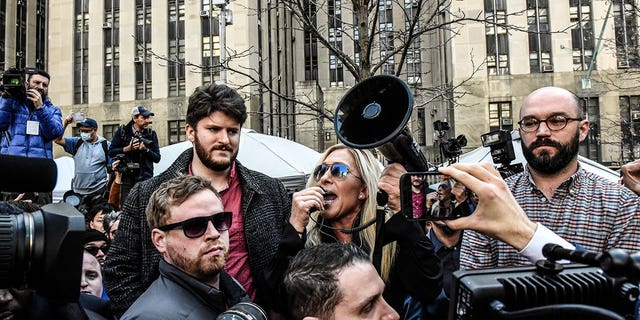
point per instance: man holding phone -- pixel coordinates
(90, 157)
(557, 200)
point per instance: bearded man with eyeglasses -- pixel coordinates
(564, 204)
(190, 229)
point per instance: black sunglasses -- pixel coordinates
(337, 170)
(94, 250)
(196, 227)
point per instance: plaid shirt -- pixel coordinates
(585, 210)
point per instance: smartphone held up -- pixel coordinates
(433, 196)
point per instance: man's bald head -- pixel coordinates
(559, 93)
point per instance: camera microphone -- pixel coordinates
(556, 252)
(22, 174)
(615, 262)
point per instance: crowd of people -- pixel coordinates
(209, 233)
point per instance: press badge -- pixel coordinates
(33, 128)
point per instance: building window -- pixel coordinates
(310, 44)
(21, 34)
(626, 29)
(421, 138)
(210, 43)
(385, 29)
(108, 130)
(413, 60)
(81, 53)
(590, 146)
(500, 116)
(497, 38)
(630, 127)
(336, 70)
(3, 28)
(111, 32)
(142, 57)
(539, 36)
(41, 34)
(582, 42)
(176, 131)
(176, 48)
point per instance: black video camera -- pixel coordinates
(125, 165)
(41, 250)
(502, 153)
(13, 82)
(142, 137)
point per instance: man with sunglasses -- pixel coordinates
(564, 204)
(260, 204)
(97, 244)
(190, 229)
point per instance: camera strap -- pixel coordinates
(105, 148)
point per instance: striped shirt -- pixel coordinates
(585, 210)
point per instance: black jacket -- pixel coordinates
(416, 270)
(122, 137)
(176, 295)
(132, 262)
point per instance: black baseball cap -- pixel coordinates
(88, 122)
(140, 110)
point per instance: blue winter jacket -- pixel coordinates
(13, 126)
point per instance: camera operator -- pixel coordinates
(29, 121)
(139, 144)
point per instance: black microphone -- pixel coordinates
(556, 252)
(22, 174)
(615, 262)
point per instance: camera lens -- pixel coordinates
(243, 311)
(22, 247)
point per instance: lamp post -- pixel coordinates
(224, 18)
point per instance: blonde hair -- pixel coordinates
(369, 170)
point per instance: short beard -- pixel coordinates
(203, 270)
(204, 156)
(546, 164)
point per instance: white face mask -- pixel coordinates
(86, 136)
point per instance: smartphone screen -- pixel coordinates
(433, 196)
(77, 116)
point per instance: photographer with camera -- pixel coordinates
(29, 121)
(90, 157)
(136, 146)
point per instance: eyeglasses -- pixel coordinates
(337, 170)
(94, 250)
(554, 123)
(196, 227)
(86, 131)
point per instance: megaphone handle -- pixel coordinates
(382, 198)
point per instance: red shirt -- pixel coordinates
(238, 262)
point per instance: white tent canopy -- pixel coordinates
(483, 154)
(289, 161)
(276, 157)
